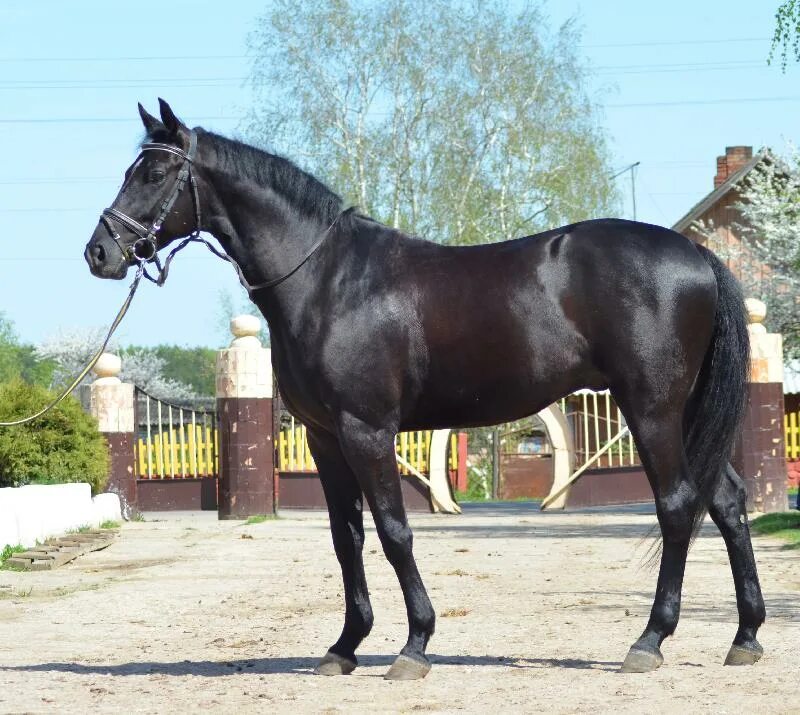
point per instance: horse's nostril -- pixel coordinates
(100, 253)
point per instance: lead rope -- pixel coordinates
(184, 175)
(92, 361)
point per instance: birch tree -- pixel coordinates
(463, 122)
(786, 38)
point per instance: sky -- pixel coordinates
(677, 83)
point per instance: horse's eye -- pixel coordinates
(155, 176)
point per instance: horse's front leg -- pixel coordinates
(371, 454)
(344, 499)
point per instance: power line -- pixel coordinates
(200, 81)
(153, 58)
(63, 180)
(698, 102)
(141, 58)
(626, 105)
(95, 120)
(679, 43)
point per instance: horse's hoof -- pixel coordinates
(405, 668)
(744, 655)
(641, 661)
(333, 664)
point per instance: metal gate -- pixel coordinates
(174, 441)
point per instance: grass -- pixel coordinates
(80, 530)
(260, 519)
(7, 553)
(784, 525)
(15, 593)
(110, 524)
(462, 497)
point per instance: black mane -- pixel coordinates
(302, 190)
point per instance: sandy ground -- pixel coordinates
(187, 613)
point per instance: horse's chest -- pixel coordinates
(299, 388)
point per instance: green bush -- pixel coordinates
(62, 446)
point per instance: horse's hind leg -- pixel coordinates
(344, 499)
(370, 452)
(657, 429)
(727, 509)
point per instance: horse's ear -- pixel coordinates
(177, 129)
(151, 124)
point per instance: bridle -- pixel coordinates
(145, 249)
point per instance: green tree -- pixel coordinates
(18, 360)
(465, 122)
(62, 446)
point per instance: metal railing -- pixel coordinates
(596, 423)
(413, 450)
(174, 441)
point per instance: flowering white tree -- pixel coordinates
(146, 370)
(71, 350)
(768, 255)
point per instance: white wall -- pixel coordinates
(35, 512)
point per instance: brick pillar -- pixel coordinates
(760, 457)
(111, 402)
(244, 408)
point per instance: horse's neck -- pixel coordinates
(266, 239)
(256, 228)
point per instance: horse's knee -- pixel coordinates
(397, 541)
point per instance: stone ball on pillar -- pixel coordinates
(107, 369)
(756, 313)
(245, 329)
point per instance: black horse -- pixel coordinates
(374, 332)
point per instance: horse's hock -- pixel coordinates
(244, 408)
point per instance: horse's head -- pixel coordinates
(156, 204)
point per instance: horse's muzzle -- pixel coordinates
(104, 258)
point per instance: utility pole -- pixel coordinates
(632, 169)
(495, 461)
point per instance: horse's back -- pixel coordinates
(509, 327)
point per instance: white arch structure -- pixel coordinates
(558, 433)
(437, 480)
(555, 424)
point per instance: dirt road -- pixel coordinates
(190, 613)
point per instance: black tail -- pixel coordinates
(716, 410)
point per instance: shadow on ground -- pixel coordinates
(301, 665)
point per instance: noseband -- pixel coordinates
(145, 249)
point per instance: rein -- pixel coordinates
(145, 250)
(93, 360)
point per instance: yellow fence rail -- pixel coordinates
(413, 447)
(791, 426)
(190, 451)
